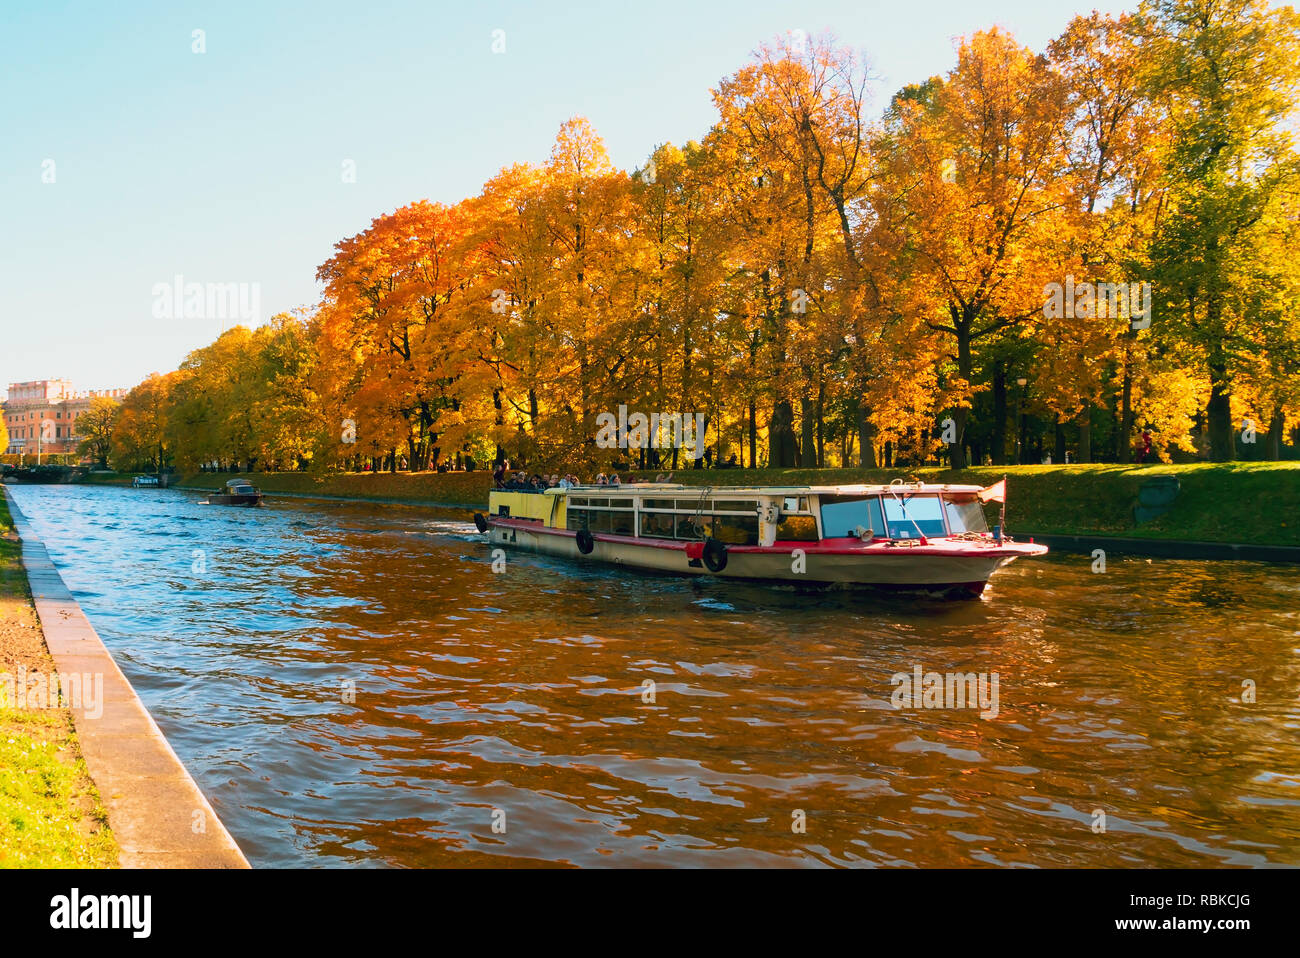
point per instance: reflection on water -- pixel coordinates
(519, 700)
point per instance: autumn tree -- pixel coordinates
(978, 201)
(810, 277)
(1226, 72)
(393, 364)
(95, 427)
(1113, 132)
(140, 433)
(791, 130)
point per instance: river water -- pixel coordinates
(352, 683)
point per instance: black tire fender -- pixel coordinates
(715, 555)
(480, 523)
(585, 542)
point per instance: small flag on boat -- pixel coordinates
(995, 493)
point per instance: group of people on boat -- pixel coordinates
(521, 482)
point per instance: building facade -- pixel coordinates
(41, 416)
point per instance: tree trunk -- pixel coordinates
(1275, 435)
(807, 455)
(1219, 410)
(780, 440)
(753, 434)
(999, 414)
(962, 324)
(1085, 435)
(1124, 443)
(866, 439)
(820, 419)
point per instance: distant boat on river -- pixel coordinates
(238, 492)
(162, 480)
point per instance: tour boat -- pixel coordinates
(239, 492)
(909, 535)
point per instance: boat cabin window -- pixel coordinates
(657, 525)
(733, 521)
(965, 516)
(736, 530)
(910, 517)
(619, 522)
(796, 529)
(693, 526)
(842, 515)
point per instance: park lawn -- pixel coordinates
(50, 812)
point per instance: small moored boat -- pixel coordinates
(904, 535)
(144, 482)
(238, 492)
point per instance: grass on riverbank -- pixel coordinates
(1256, 503)
(50, 811)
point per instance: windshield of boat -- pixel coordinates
(966, 515)
(909, 517)
(843, 515)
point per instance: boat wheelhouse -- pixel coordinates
(238, 492)
(903, 535)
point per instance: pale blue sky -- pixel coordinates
(227, 166)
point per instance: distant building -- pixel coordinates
(42, 415)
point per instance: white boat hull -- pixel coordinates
(881, 565)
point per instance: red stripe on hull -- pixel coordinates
(823, 547)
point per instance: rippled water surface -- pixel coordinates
(519, 699)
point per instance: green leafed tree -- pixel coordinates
(1227, 73)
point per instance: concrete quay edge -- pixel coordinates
(152, 801)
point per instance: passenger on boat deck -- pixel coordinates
(601, 480)
(614, 481)
(664, 478)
